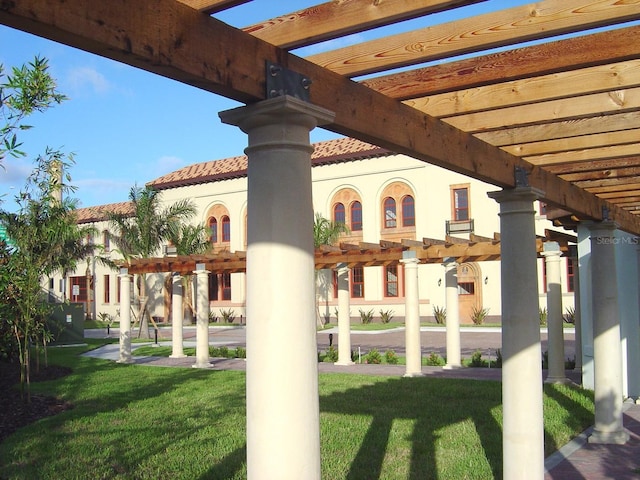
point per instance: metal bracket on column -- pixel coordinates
(605, 213)
(281, 81)
(521, 177)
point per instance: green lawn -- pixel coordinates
(132, 421)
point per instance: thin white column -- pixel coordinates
(283, 421)
(522, 426)
(177, 315)
(453, 315)
(607, 351)
(576, 308)
(125, 317)
(412, 316)
(202, 319)
(344, 320)
(555, 333)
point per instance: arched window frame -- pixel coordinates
(213, 230)
(389, 212)
(226, 228)
(355, 210)
(408, 211)
(339, 213)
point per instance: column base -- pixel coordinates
(179, 355)
(344, 364)
(619, 437)
(202, 365)
(125, 361)
(413, 374)
(451, 367)
(562, 380)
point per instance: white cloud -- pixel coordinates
(81, 79)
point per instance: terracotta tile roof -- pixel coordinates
(99, 213)
(332, 151)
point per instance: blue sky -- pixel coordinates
(126, 126)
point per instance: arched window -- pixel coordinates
(339, 213)
(226, 229)
(389, 207)
(213, 230)
(408, 211)
(356, 216)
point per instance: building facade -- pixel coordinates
(381, 196)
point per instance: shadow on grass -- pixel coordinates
(432, 405)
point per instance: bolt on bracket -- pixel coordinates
(281, 81)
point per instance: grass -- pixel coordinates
(132, 421)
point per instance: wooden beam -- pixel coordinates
(212, 6)
(601, 167)
(602, 78)
(334, 19)
(559, 56)
(143, 37)
(472, 34)
(587, 155)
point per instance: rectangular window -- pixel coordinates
(220, 286)
(118, 290)
(466, 288)
(106, 241)
(460, 204)
(107, 289)
(78, 289)
(570, 276)
(51, 283)
(391, 281)
(357, 282)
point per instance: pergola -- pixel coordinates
(555, 121)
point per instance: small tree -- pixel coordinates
(45, 238)
(325, 232)
(141, 234)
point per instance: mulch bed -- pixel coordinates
(16, 412)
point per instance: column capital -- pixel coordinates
(409, 258)
(264, 113)
(551, 250)
(342, 267)
(506, 195)
(201, 272)
(603, 226)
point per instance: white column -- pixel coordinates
(344, 320)
(412, 315)
(176, 317)
(283, 421)
(125, 317)
(453, 315)
(202, 319)
(523, 430)
(555, 333)
(577, 310)
(607, 352)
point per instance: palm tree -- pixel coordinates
(325, 232)
(189, 240)
(142, 233)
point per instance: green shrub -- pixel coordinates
(390, 357)
(542, 312)
(373, 357)
(241, 352)
(478, 315)
(386, 315)
(441, 314)
(228, 316)
(212, 317)
(570, 315)
(476, 359)
(331, 355)
(435, 360)
(366, 317)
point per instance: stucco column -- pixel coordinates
(412, 316)
(202, 319)
(555, 333)
(125, 317)
(607, 351)
(453, 315)
(344, 320)
(176, 317)
(522, 426)
(283, 422)
(573, 258)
